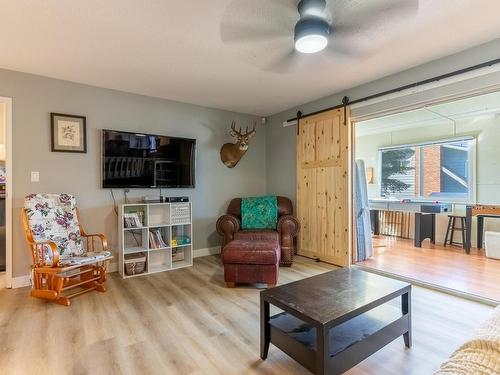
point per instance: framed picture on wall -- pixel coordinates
(69, 133)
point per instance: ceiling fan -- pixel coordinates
(275, 34)
(312, 31)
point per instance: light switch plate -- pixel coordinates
(35, 176)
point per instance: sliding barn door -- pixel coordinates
(323, 186)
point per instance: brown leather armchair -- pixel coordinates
(229, 226)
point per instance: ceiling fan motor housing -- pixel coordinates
(307, 7)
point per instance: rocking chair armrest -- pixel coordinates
(47, 269)
(53, 248)
(102, 237)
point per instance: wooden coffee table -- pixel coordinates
(333, 321)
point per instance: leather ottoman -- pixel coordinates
(255, 261)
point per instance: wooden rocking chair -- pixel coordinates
(66, 260)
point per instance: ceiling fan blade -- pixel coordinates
(342, 50)
(247, 34)
(284, 62)
(351, 16)
(247, 21)
(389, 10)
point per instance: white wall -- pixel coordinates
(487, 131)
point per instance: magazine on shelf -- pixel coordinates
(133, 219)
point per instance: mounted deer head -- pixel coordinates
(231, 153)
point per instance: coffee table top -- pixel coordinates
(336, 296)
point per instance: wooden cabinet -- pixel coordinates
(324, 186)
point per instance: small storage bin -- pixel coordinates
(492, 244)
(180, 213)
(135, 264)
(177, 255)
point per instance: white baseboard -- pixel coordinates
(2, 280)
(206, 251)
(22, 281)
(112, 267)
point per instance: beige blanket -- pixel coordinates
(480, 355)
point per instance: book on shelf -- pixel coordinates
(133, 219)
(156, 240)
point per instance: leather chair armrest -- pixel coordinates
(288, 228)
(227, 225)
(288, 225)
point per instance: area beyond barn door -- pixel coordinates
(323, 186)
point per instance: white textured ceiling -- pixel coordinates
(175, 49)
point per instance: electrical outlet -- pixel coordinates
(35, 176)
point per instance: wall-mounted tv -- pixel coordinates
(137, 160)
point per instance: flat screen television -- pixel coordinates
(137, 160)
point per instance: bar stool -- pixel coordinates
(452, 226)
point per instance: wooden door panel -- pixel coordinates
(307, 234)
(307, 143)
(323, 218)
(323, 187)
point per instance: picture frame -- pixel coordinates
(68, 133)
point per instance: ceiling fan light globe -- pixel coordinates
(311, 35)
(311, 43)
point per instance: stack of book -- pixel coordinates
(156, 240)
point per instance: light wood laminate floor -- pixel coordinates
(187, 322)
(448, 267)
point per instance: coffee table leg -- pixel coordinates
(321, 350)
(265, 328)
(406, 309)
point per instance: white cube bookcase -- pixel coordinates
(171, 220)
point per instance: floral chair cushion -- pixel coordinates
(52, 217)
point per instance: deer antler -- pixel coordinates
(252, 132)
(238, 133)
(233, 129)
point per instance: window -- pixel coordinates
(441, 170)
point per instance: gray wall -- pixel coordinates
(35, 97)
(281, 141)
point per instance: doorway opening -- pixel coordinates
(428, 195)
(5, 189)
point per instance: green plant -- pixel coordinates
(395, 162)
